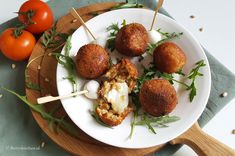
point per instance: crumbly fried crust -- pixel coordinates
(158, 97)
(131, 40)
(124, 71)
(92, 61)
(169, 57)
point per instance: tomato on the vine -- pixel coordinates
(37, 15)
(17, 46)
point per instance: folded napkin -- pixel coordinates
(20, 134)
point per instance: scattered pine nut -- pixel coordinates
(42, 144)
(201, 29)
(233, 131)
(39, 67)
(224, 94)
(192, 16)
(1, 96)
(13, 66)
(74, 20)
(49, 54)
(47, 80)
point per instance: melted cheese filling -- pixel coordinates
(118, 97)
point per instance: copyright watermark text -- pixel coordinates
(24, 148)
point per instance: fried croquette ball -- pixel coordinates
(110, 99)
(158, 97)
(169, 58)
(121, 80)
(132, 40)
(92, 61)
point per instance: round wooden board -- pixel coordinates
(42, 71)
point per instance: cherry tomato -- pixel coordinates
(17, 48)
(39, 13)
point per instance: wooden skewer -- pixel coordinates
(46, 99)
(77, 16)
(159, 5)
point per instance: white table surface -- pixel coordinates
(218, 36)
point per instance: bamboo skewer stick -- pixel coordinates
(46, 99)
(159, 5)
(77, 16)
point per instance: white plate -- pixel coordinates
(78, 108)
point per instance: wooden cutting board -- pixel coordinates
(42, 71)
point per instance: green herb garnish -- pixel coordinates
(33, 86)
(147, 123)
(113, 29)
(54, 122)
(158, 121)
(192, 76)
(180, 72)
(53, 39)
(68, 63)
(68, 46)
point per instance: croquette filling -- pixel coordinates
(117, 95)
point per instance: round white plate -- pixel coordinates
(78, 107)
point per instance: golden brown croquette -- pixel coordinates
(158, 97)
(92, 61)
(169, 58)
(132, 40)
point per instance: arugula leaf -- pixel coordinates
(168, 77)
(33, 86)
(159, 120)
(193, 92)
(35, 107)
(52, 38)
(147, 122)
(194, 73)
(68, 63)
(68, 46)
(70, 128)
(148, 74)
(113, 29)
(180, 72)
(133, 122)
